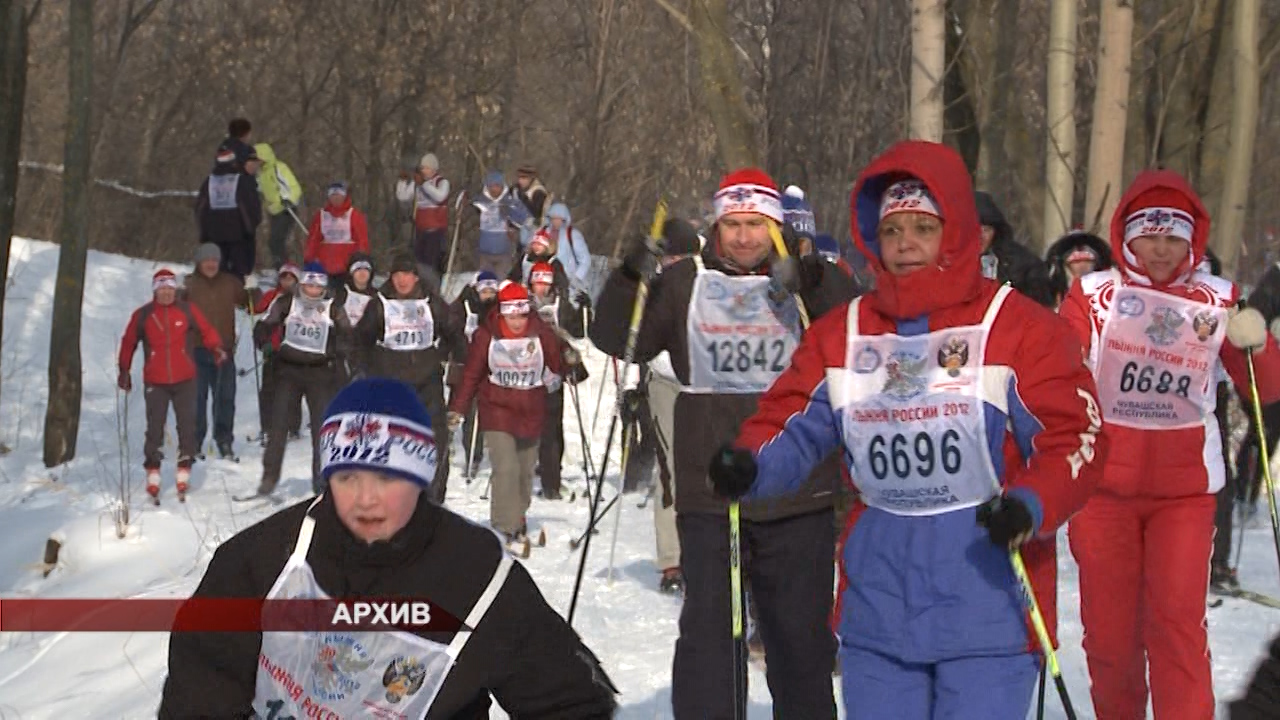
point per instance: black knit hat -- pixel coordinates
(404, 262)
(360, 257)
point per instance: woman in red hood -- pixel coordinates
(969, 425)
(1154, 329)
(337, 232)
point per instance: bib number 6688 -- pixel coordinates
(892, 454)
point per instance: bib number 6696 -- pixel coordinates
(892, 454)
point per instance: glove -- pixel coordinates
(732, 472)
(219, 357)
(641, 260)
(571, 356)
(631, 400)
(551, 381)
(679, 237)
(124, 381)
(1007, 519)
(455, 419)
(1247, 329)
(261, 334)
(785, 273)
(582, 299)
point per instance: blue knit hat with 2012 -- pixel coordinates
(379, 425)
(797, 213)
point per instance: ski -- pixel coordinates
(270, 497)
(1251, 596)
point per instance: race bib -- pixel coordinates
(335, 229)
(739, 339)
(408, 325)
(516, 363)
(1156, 360)
(222, 191)
(306, 328)
(549, 312)
(355, 306)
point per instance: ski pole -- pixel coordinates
(248, 307)
(735, 604)
(582, 433)
(1042, 632)
(1263, 454)
(453, 246)
(475, 433)
(633, 335)
(604, 377)
(595, 522)
(1040, 696)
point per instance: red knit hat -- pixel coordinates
(543, 238)
(513, 299)
(748, 190)
(542, 272)
(1160, 211)
(163, 278)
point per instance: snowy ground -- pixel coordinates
(78, 675)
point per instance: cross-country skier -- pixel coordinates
(957, 403)
(1072, 256)
(375, 534)
(469, 310)
(1155, 330)
(354, 295)
(549, 295)
(338, 230)
(169, 330)
(729, 321)
(314, 347)
(513, 362)
(286, 283)
(408, 334)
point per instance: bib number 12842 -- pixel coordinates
(743, 356)
(898, 452)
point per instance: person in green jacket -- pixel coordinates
(281, 195)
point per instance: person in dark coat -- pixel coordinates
(375, 534)
(228, 210)
(1265, 298)
(1004, 259)
(1074, 255)
(469, 310)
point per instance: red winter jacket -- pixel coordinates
(1179, 462)
(509, 410)
(262, 307)
(331, 252)
(168, 341)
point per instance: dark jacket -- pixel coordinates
(705, 421)
(217, 297)
(1061, 249)
(230, 225)
(1017, 265)
(337, 349)
(522, 651)
(1265, 297)
(413, 367)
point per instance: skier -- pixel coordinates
(217, 293)
(550, 299)
(354, 295)
(239, 133)
(1004, 259)
(409, 335)
(375, 534)
(1072, 256)
(533, 195)
(571, 247)
(337, 231)
(281, 195)
(542, 248)
(168, 330)
(1265, 298)
(1153, 328)
(728, 319)
(937, 385)
(473, 305)
(313, 352)
(512, 363)
(428, 192)
(500, 214)
(286, 282)
(228, 211)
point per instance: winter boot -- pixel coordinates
(226, 453)
(153, 484)
(672, 582)
(1223, 581)
(183, 479)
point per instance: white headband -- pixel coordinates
(164, 281)
(514, 307)
(542, 276)
(482, 285)
(908, 196)
(361, 265)
(373, 441)
(1159, 221)
(314, 278)
(748, 199)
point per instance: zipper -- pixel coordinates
(168, 356)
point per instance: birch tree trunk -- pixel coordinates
(1244, 127)
(928, 66)
(722, 84)
(62, 416)
(1061, 147)
(1110, 113)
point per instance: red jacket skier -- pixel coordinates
(1154, 330)
(957, 403)
(337, 231)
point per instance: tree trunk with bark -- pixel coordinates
(14, 21)
(1110, 113)
(722, 85)
(1060, 149)
(1229, 228)
(928, 68)
(62, 416)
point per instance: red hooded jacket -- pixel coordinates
(347, 233)
(168, 340)
(509, 410)
(1178, 462)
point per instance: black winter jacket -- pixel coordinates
(231, 225)
(414, 367)
(522, 652)
(338, 348)
(1016, 265)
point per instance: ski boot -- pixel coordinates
(226, 453)
(1223, 581)
(183, 480)
(153, 484)
(672, 582)
(518, 543)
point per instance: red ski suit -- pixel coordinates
(1144, 540)
(169, 341)
(336, 233)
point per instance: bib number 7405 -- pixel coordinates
(898, 452)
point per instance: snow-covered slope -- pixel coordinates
(81, 675)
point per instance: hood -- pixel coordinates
(958, 275)
(989, 214)
(1062, 247)
(560, 210)
(1167, 180)
(338, 209)
(265, 153)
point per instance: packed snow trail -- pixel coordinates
(629, 624)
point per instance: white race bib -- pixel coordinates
(222, 191)
(307, 326)
(335, 229)
(516, 362)
(408, 324)
(355, 306)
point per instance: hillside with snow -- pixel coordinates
(100, 675)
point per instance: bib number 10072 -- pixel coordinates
(744, 356)
(918, 454)
(1144, 379)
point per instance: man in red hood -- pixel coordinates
(967, 420)
(1156, 331)
(337, 231)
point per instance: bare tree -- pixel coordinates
(722, 84)
(1060, 151)
(1229, 228)
(62, 416)
(1110, 112)
(928, 68)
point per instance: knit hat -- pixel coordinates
(908, 196)
(748, 190)
(380, 425)
(793, 191)
(225, 156)
(313, 274)
(429, 162)
(404, 262)
(797, 213)
(164, 278)
(486, 280)
(1160, 211)
(289, 269)
(827, 247)
(337, 187)
(493, 177)
(542, 272)
(208, 251)
(527, 170)
(513, 299)
(360, 261)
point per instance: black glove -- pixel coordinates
(261, 334)
(124, 381)
(631, 400)
(732, 472)
(1262, 698)
(679, 237)
(582, 300)
(1007, 519)
(641, 260)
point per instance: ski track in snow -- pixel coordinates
(630, 626)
